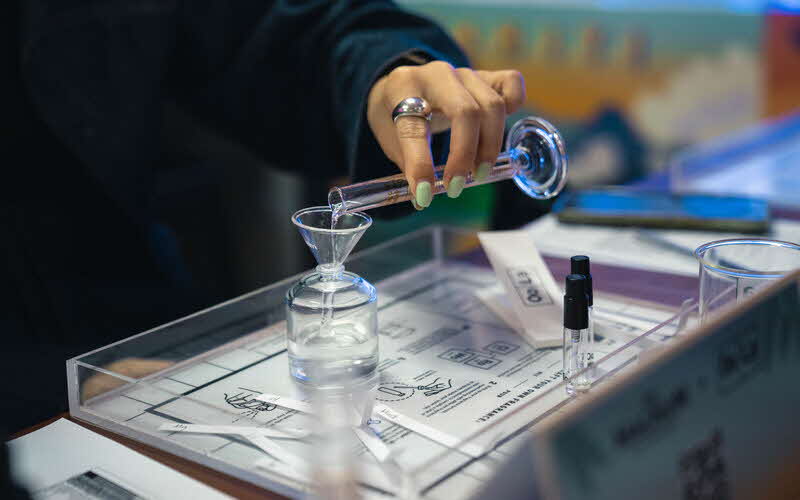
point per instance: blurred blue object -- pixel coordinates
(762, 162)
(786, 6)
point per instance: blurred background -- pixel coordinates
(629, 84)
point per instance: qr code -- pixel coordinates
(704, 475)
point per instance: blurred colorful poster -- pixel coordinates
(653, 78)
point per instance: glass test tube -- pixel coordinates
(535, 158)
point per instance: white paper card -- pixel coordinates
(496, 300)
(62, 450)
(533, 293)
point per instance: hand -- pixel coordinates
(474, 105)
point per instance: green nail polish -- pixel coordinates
(414, 202)
(456, 186)
(483, 171)
(424, 194)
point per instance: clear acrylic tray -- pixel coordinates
(446, 361)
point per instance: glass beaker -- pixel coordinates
(731, 270)
(331, 314)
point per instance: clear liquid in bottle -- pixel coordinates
(332, 318)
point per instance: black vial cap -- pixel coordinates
(576, 306)
(579, 264)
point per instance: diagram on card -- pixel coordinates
(245, 401)
(398, 391)
(397, 329)
(484, 359)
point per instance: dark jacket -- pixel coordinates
(83, 263)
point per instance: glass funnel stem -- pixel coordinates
(394, 188)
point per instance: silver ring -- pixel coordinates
(412, 106)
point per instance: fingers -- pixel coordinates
(492, 121)
(508, 84)
(412, 134)
(475, 103)
(449, 95)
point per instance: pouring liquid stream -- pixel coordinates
(326, 321)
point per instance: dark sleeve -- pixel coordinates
(290, 79)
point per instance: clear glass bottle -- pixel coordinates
(332, 316)
(576, 334)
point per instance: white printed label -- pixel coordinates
(373, 443)
(291, 433)
(470, 449)
(284, 402)
(529, 287)
(274, 449)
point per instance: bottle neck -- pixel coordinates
(518, 159)
(330, 272)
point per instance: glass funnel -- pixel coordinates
(332, 325)
(535, 158)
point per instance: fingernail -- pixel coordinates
(424, 194)
(483, 171)
(456, 186)
(414, 202)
